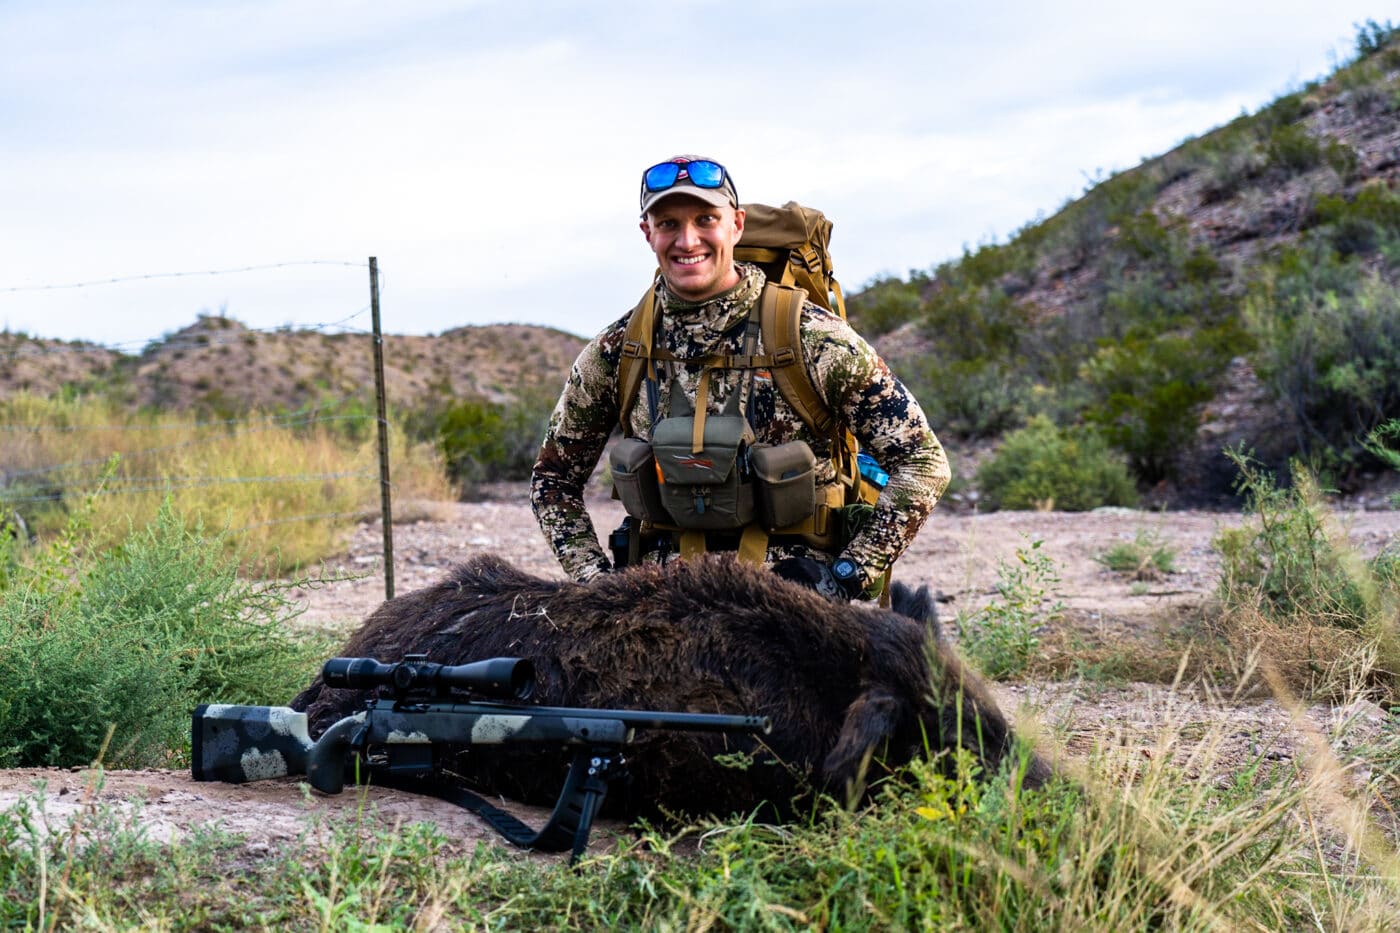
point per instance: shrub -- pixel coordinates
(885, 304)
(1043, 466)
(1327, 338)
(1293, 587)
(1001, 637)
(1291, 150)
(1372, 37)
(130, 639)
(971, 398)
(1143, 558)
(1362, 224)
(481, 441)
(1150, 392)
(1232, 159)
(976, 379)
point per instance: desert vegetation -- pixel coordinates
(1171, 837)
(152, 526)
(1269, 246)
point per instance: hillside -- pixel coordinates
(217, 365)
(1239, 289)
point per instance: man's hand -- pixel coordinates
(812, 574)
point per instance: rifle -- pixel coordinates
(399, 741)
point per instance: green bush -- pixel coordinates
(1291, 150)
(885, 304)
(1042, 465)
(1001, 637)
(1372, 37)
(1327, 339)
(130, 639)
(1146, 557)
(971, 398)
(1149, 392)
(482, 441)
(1231, 158)
(1361, 225)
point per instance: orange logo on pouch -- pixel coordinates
(695, 461)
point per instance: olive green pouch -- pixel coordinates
(634, 477)
(786, 480)
(704, 489)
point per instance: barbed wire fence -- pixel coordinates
(34, 484)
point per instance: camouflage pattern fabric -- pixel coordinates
(848, 374)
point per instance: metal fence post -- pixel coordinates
(386, 513)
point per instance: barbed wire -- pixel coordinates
(34, 348)
(286, 419)
(38, 482)
(145, 276)
(100, 487)
(10, 475)
(309, 517)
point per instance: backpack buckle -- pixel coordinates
(633, 348)
(808, 259)
(785, 356)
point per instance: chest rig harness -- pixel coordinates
(702, 479)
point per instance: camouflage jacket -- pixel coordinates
(849, 375)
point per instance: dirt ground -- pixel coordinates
(957, 554)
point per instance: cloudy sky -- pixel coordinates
(488, 151)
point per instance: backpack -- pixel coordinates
(792, 245)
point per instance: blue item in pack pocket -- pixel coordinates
(871, 470)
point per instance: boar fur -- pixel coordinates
(843, 684)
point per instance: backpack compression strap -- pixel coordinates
(636, 357)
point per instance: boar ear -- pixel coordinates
(870, 719)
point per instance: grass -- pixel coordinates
(1164, 828)
(285, 488)
(1144, 558)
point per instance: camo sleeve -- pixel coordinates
(578, 431)
(887, 420)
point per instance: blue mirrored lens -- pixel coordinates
(660, 177)
(705, 174)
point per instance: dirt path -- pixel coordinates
(956, 553)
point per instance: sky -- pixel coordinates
(163, 160)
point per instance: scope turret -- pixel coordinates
(500, 678)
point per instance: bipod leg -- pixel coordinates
(568, 826)
(582, 797)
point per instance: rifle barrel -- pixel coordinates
(646, 719)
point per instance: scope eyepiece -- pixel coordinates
(499, 678)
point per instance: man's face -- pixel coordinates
(694, 245)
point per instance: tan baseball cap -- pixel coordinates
(719, 197)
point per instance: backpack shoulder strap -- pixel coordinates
(636, 356)
(781, 316)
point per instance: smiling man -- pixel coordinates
(714, 452)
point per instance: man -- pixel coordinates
(704, 302)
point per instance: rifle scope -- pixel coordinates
(501, 678)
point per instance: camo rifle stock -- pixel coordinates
(398, 741)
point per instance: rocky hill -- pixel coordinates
(219, 365)
(1243, 288)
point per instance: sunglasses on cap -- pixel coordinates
(702, 173)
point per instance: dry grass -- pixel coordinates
(287, 490)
